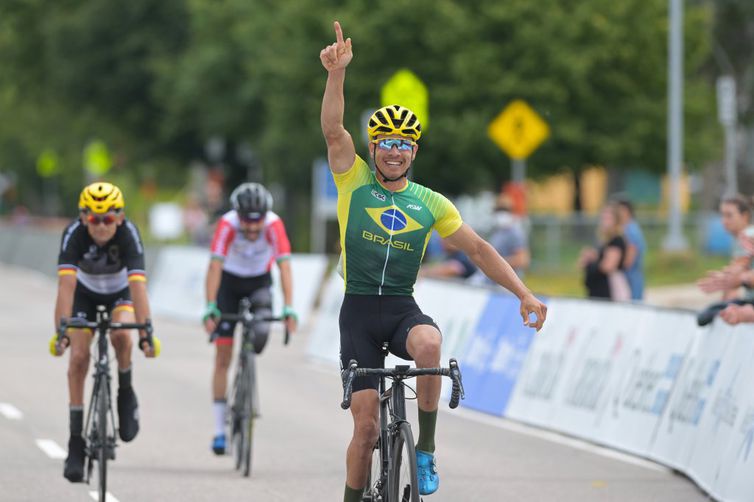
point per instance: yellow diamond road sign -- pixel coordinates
(406, 89)
(518, 130)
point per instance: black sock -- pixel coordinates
(76, 420)
(124, 378)
(352, 495)
(427, 422)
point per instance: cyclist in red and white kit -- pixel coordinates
(248, 240)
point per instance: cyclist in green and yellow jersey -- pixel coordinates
(385, 222)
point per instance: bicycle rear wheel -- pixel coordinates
(236, 412)
(403, 485)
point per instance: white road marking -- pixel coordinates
(109, 497)
(51, 448)
(10, 412)
(554, 437)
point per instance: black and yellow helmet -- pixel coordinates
(394, 120)
(101, 197)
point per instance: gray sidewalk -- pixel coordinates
(687, 296)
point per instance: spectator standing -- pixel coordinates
(508, 236)
(636, 248)
(735, 212)
(603, 267)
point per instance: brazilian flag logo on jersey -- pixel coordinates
(392, 220)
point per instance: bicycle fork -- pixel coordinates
(101, 378)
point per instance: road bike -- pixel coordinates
(243, 399)
(99, 431)
(392, 474)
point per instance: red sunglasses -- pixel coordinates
(107, 219)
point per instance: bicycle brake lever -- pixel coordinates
(347, 376)
(457, 393)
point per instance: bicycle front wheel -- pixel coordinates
(243, 416)
(101, 454)
(236, 416)
(403, 484)
(375, 491)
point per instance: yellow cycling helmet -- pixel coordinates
(101, 197)
(394, 120)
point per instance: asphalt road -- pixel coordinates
(300, 438)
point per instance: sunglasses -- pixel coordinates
(107, 219)
(388, 144)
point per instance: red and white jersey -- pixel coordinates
(245, 258)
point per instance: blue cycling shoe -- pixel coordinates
(218, 444)
(429, 480)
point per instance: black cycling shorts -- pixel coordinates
(232, 289)
(369, 321)
(85, 302)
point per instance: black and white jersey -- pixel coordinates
(102, 269)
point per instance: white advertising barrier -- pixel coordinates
(324, 342)
(722, 443)
(597, 348)
(177, 287)
(636, 378)
(569, 374)
(738, 465)
(542, 378)
(603, 371)
(455, 308)
(679, 428)
(647, 381)
(645, 375)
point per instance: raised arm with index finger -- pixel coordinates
(335, 57)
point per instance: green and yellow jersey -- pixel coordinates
(384, 234)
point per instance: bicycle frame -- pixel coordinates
(101, 440)
(101, 400)
(393, 405)
(243, 397)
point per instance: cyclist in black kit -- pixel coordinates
(101, 262)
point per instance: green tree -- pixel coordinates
(156, 79)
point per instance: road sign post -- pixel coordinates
(726, 114)
(324, 204)
(675, 241)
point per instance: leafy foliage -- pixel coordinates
(156, 79)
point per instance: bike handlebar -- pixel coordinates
(248, 318)
(402, 372)
(107, 324)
